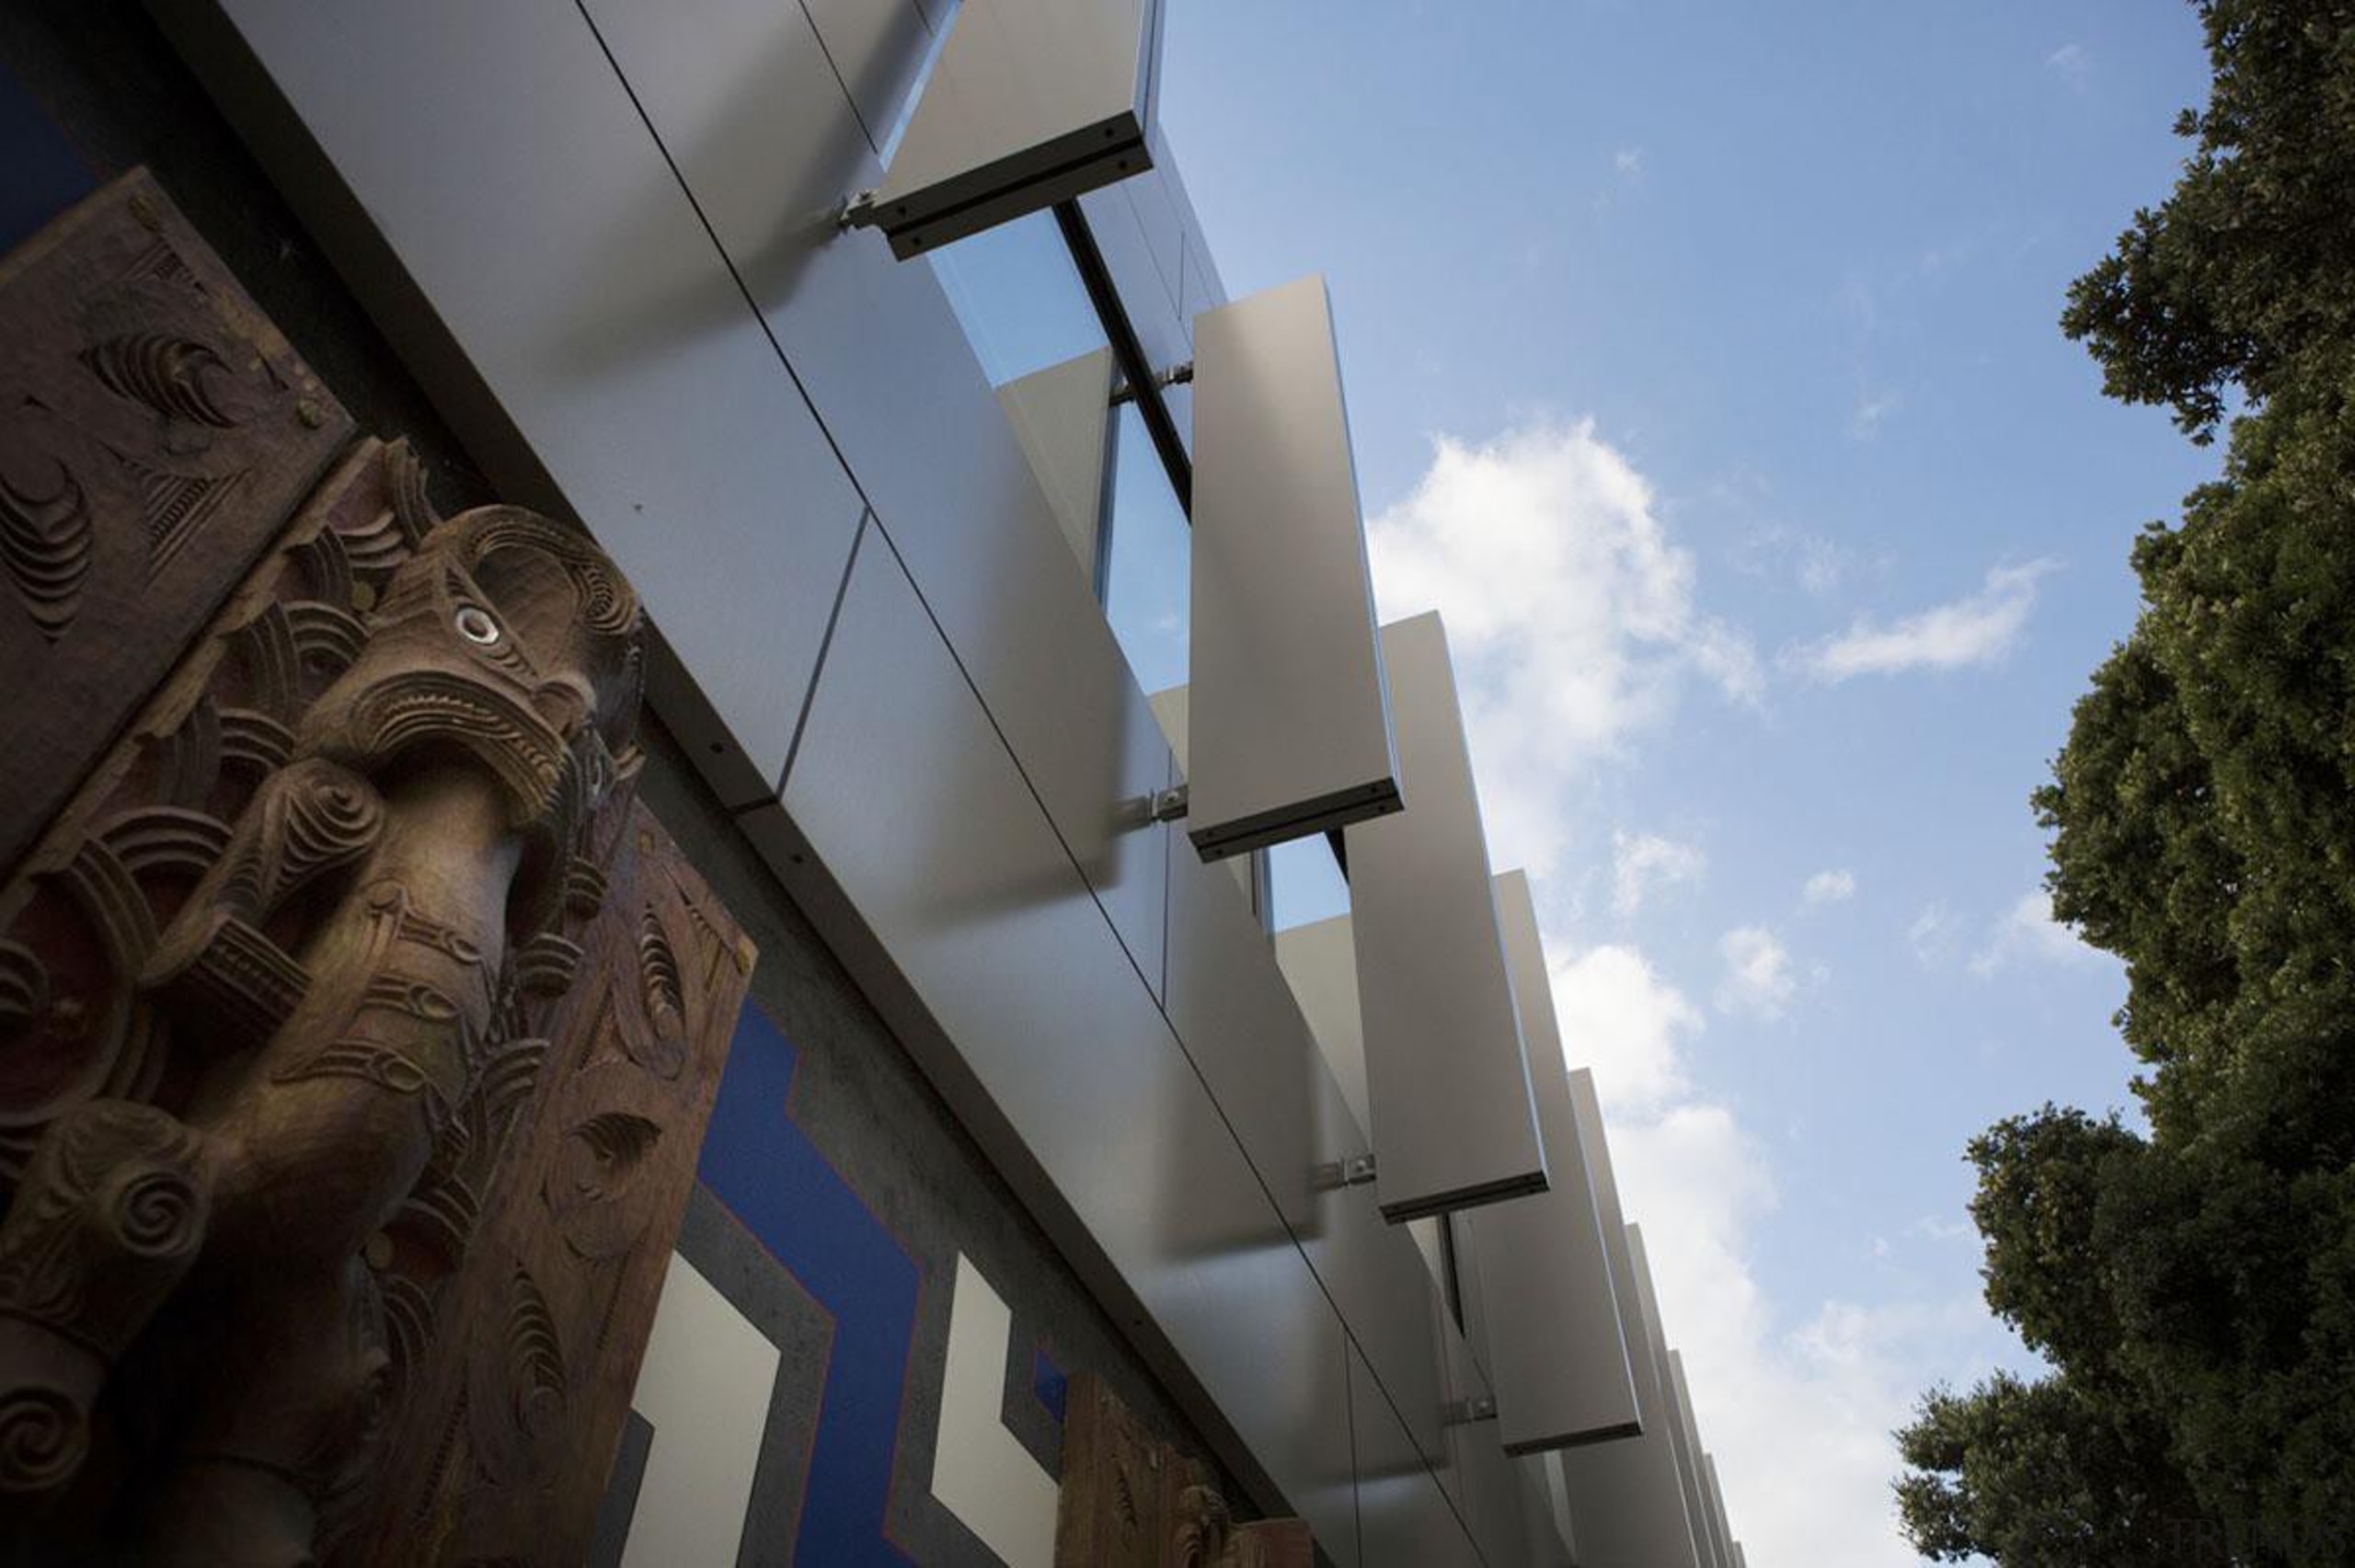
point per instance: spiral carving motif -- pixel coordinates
(327, 823)
(158, 1213)
(42, 1439)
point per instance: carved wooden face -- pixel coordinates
(505, 638)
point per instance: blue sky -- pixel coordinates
(1703, 370)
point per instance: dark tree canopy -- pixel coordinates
(2047, 1479)
(2242, 267)
(2193, 1289)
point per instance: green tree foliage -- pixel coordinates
(2244, 266)
(2194, 1290)
(2044, 1478)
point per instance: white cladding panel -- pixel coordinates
(1674, 1418)
(1060, 415)
(1292, 732)
(1704, 1512)
(1715, 1497)
(1554, 1335)
(1320, 961)
(1447, 1082)
(1626, 1497)
(1030, 103)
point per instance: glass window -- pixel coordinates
(1304, 883)
(1018, 297)
(1035, 330)
(1148, 572)
(1036, 333)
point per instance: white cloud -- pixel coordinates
(1936, 1228)
(1621, 1019)
(1979, 628)
(1798, 1417)
(2071, 63)
(1798, 1410)
(1629, 161)
(1695, 1181)
(1576, 625)
(1760, 978)
(1570, 612)
(2026, 931)
(1870, 411)
(1817, 565)
(1643, 863)
(1829, 887)
(1822, 566)
(1933, 934)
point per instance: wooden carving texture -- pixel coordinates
(1132, 1501)
(357, 1031)
(156, 431)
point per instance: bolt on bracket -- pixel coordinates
(1180, 374)
(1333, 1174)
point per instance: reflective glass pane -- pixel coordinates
(1018, 297)
(1304, 882)
(1148, 576)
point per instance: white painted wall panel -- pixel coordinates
(1320, 961)
(1289, 718)
(742, 98)
(1626, 1499)
(704, 1387)
(1558, 1348)
(981, 1472)
(1454, 1122)
(1060, 415)
(1030, 102)
(877, 48)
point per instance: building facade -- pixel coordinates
(1022, 1090)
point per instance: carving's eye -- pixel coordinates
(477, 626)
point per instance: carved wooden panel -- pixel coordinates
(358, 1027)
(1111, 1510)
(1132, 1501)
(81, 914)
(155, 433)
(517, 1376)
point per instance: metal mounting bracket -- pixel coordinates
(1465, 1411)
(858, 212)
(1175, 376)
(1169, 805)
(1354, 1171)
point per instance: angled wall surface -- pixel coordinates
(1022, 1078)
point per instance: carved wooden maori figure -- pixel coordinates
(341, 968)
(357, 1027)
